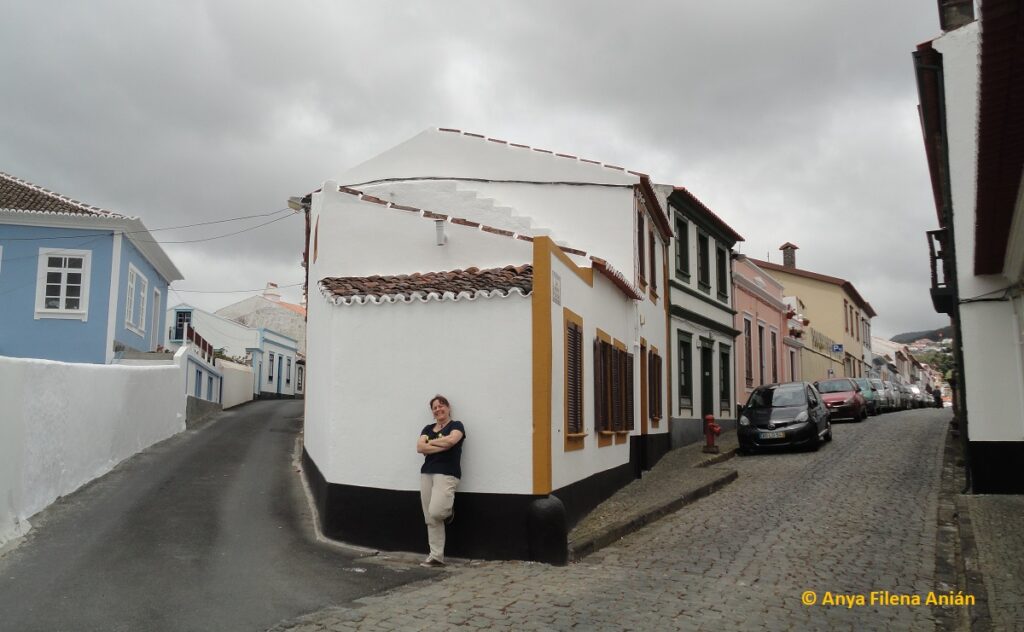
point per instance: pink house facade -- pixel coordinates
(765, 352)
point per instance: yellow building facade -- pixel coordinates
(838, 315)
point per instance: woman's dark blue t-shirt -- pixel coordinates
(449, 461)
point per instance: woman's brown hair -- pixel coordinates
(438, 398)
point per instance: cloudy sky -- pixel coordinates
(793, 120)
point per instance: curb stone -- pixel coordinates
(949, 572)
(974, 579)
(614, 532)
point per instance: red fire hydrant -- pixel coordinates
(711, 430)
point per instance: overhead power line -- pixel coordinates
(261, 289)
(154, 230)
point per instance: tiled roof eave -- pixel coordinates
(417, 297)
(617, 278)
(22, 191)
(83, 216)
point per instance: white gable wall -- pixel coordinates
(437, 154)
(260, 312)
(596, 219)
(222, 333)
(356, 238)
(375, 368)
(599, 220)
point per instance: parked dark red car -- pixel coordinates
(843, 399)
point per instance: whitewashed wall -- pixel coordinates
(599, 220)
(199, 372)
(374, 368)
(237, 383)
(234, 338)
(260, 312)
(280, 346)
(601, 307)
(991, 358)
(64, 424)
(348, 234)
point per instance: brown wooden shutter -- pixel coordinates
(617, 409)
(574, 377)
(657, 385)
(640, 246)
(629, 391)
(598, 386)
(653, 276)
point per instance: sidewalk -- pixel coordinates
(681, 477)
(981, 545)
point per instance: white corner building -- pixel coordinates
(526, 286)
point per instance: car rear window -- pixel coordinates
(778, 396)
(877, 383)
(835, 386)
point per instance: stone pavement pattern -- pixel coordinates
(856, 516)
(679, 478)
(998, 524)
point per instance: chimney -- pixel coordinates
(788, 254)
(271, 293)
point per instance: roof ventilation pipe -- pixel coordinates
(442, 239)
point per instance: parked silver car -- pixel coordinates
(885, 403)
(895, 394)
(919, 397)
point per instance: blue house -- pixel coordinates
(77, 283)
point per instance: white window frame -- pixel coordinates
(135, 315)
(157, 297)
(82, 313)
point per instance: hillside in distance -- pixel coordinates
(930, 334)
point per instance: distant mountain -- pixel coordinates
(931, 334)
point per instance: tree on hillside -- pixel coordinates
(941, 361)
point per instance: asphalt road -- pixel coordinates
(209, 530)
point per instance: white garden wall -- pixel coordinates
(63, 425)
(237, 383)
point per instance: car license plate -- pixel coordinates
(778, 434)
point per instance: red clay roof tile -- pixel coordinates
(471, 280)
(21, 195)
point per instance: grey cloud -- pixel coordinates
(791, 119)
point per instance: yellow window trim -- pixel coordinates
(544, 250)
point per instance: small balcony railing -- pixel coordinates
(943, 297)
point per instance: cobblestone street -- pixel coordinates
(857, 516)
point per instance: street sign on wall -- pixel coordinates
(837, 348)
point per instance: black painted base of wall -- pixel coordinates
(686, 431)
(581, 497)
(486, 526)
(646, 450)
(997, 467)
